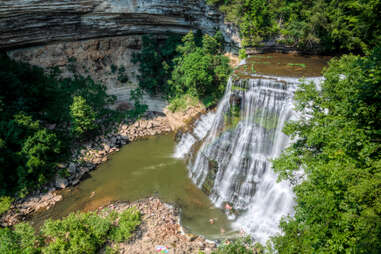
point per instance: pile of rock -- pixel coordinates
(145, 127)
(181, 120)
(20, 210)
(160, 227)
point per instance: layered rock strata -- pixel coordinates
(99, 37)
(26, 23)
(105, 60)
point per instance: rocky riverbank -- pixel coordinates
(160, 227)
(92, 154)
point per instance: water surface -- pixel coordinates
(141, 169)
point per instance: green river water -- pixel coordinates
(142, 169)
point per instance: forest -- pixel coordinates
(325, 26)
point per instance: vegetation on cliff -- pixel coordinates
(337, 143)
(41, 116)
(345, 26)
(193, 66)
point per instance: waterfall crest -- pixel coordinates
(232, 161)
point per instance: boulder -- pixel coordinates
(72, 168)
(61, 182)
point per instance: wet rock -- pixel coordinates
(61, 182)
(72, 168)
(106, 147)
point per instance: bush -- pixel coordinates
(88, 232)
(76, 233)
(82, 115)
(127, 223)
(181, 103)
(20, 240)
(5, 204)
(239, 246)
(200, 71)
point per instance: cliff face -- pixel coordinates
(100, 34)
(34, 22)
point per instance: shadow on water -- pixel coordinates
(141, 169)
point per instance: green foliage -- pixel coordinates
(193, 65)
(122, 75)
(111, 250)
(181, 103)
(5, 204)
(77, 233)
(338, 146)
(127, 223)
(200, 71)
(239, 246)
(242, 54)
(113, 68)
(21, 240)
(83, 116)
(350, 25)
(297, 64)
(155, 63)
(139, 108)
(40, 151)
(34, 119)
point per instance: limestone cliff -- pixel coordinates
(100, 34)
(35, 22)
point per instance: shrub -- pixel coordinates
(20, 240)
(5, 204)
(127, 223)
(77, 233)
(82, 115)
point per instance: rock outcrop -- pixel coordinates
(26, 23)
(105, 60)
(100, 35)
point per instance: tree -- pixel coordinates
(40, 152)
(82, 115)
(200, 71)
(337, 143)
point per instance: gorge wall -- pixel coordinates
(99, 34)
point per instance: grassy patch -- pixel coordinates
(263, 57)
(181, 103)
(255, 62)
(297, 64)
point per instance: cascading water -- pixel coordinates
(236, 144)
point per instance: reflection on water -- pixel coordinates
(139, 170)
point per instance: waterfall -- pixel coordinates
(233, 162)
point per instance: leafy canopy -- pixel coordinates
(349, 25)
(337, 143)
(36, 111)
